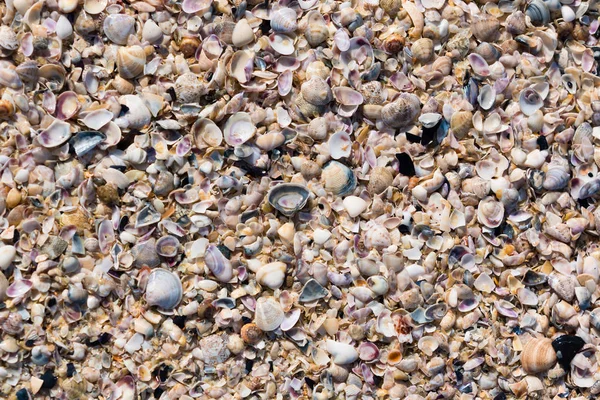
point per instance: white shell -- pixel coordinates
(163, 289)
(341, 353)
(487, 97)
(282, 43)
(238, 129)
(7, 256)
(56, 134)
(137, 116)
(354, 205)
(269, 314)
(118, 27)
(272, 275)
(340, 145)
(242, 33)
(97, 119)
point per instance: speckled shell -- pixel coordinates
(461, 123)
(422, 50)
(316, 91)
(316, 31)
(538, 355)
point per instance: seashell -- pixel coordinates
(338, 178)
(490, 212)
(316, 31)
(194, 6)
(530, 101)
(97, 119)
(118, 27)
(269, 314)
(152, 32)
(538, 355)
(67, 105)
(486, 28)
(251, 333)
(341, 353)
(564, 286)
(272, 275)
(355, 206)
(539, 13)
(282, 43)
(347, 96)
(8, 39)
(242, 33)
(368, 351)
(316, 91)
(401, 112)
(85, 141)
(377, 237)
(238, 129)
(3, 286)
(558, 174)
(516, 24)
(163, 289)
(394, 43)
(340, 145)
(217, 264)
(487, 97)
(283, 20)
(428, 345)
(288, 198)
(189, 89)
(312, 291)
(207, 132)
(566, 347)
(55, 135)
(136, 115)
(94, 7)
(422, 50)
(461, 123)
(380, 179)
(8, 254)
(488, 51)
(167, 246)
(131, 61)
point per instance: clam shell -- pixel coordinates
(341, 353)
(85, 141)
(338, 178)
(340, 145)
(8, 254)
(282, 43)
(316, 31)
(218, 264)
(131, 61)
(288, 198)
(167, 246)
(530, 101)
(486, 28)
(242, 34)
(538, 11)
(490, 212)
(316, 91)
(55, 135)
(312, 291)
(137, 114)
(118, 27)
(94, 7)
(163, 289)
(401, 112)
(238, 129)
(272, 275)
(67, 105)
(538, 355)
(283, 20)
(269, 314)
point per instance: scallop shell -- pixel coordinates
(163, 289)
(538, 355)
(269, 314)
(338, 178)
(131, 61)
(288, 198)
(401, 112)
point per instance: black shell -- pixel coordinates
(566, 347)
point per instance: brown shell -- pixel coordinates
(6, 109)
(461, 122)
(486, 28)
(402, 111)
(251, 333)
(393, 44)
(380, 179)
(538, 355)
(515, 23)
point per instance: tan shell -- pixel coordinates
(269, 314)
(131, 61)
(486, 28)
(251, 333)
(538, 355)
(422, 50)
(316, 91)
(316, 29)
(461, 123)
(380, 179)
(401, 112)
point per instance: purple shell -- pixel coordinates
(284, 82)
(504, 309)
(479, 65)
(368, 351)
(106, 236)
(19, 288)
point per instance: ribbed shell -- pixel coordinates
(131, 61)
(269, 314)
(338, 178)
(316, 91)
(402, 111)
(538, 356)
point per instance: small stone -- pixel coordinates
(70, 265)
(164, 184)
(54, 247)
(312, 291)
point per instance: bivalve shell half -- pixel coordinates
(238, 129)
(284, 20)
(340, 145)
(118, 27)
(55, 135)
(163, 289)
(490, 212)
(269, 314)
(341, 353)
(538, 356)
(272, 275)
(288, 198)
(338, 178)
(401, 112)
(316, 91)
(131, 61)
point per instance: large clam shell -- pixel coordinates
(269, 314)
(338, 178)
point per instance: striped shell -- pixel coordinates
(538, 355)
(131, 61)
